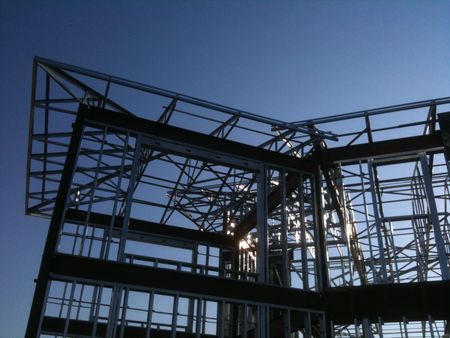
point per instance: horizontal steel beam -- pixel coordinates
(444, 124)
(391, 302)
(152, 229)
(186, 139)
(100, 271)
(387, 148)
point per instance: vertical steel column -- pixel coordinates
(116, 298)
(320, 234)
(287, 323)
(357, 328)
(97, 293)
(174, 316)
(418, 208)
(124, 313)
(263, 324)
(41, 319)
(284, 230)
(91, 198)
(440, 245)
(221, 319)
(198, 321)
(304, 249)
(204, 316)
(405, 326)
(69, 309)
(263, 248)
(366, 328)
(191, 301)
(149, 315)
(207, 254)
(129, 199)
(380, 327)
(244, 321)
(376, 215)
(321, 243)
(307, 325)
(430, 323)
(98, 300)
(55, 225)
(117, 290)
(366, 218)
(324, 327)
(263, 243)
(116, 198)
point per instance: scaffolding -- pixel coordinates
(172, 216)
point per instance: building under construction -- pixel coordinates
(172, 216)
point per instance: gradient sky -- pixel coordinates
(289, 60)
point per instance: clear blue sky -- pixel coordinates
(289, 60)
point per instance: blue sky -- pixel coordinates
(284, 59)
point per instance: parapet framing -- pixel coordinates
(172, 216)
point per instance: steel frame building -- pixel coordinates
(173, 216)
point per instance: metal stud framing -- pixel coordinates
(181, 217)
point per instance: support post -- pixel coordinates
(129, 199)
(263, 243)
(304, 249)
(37, 307)
(263, 328)
(262, 260)
(284, 231)
(434, 218)
(320, 234)
(376, 215)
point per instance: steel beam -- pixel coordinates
(414, 301)
(391, 302)
(183, 139)
(148, 228)
(401, 146)
(444, 124)
(108, 272)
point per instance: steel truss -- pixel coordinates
(174, 216)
